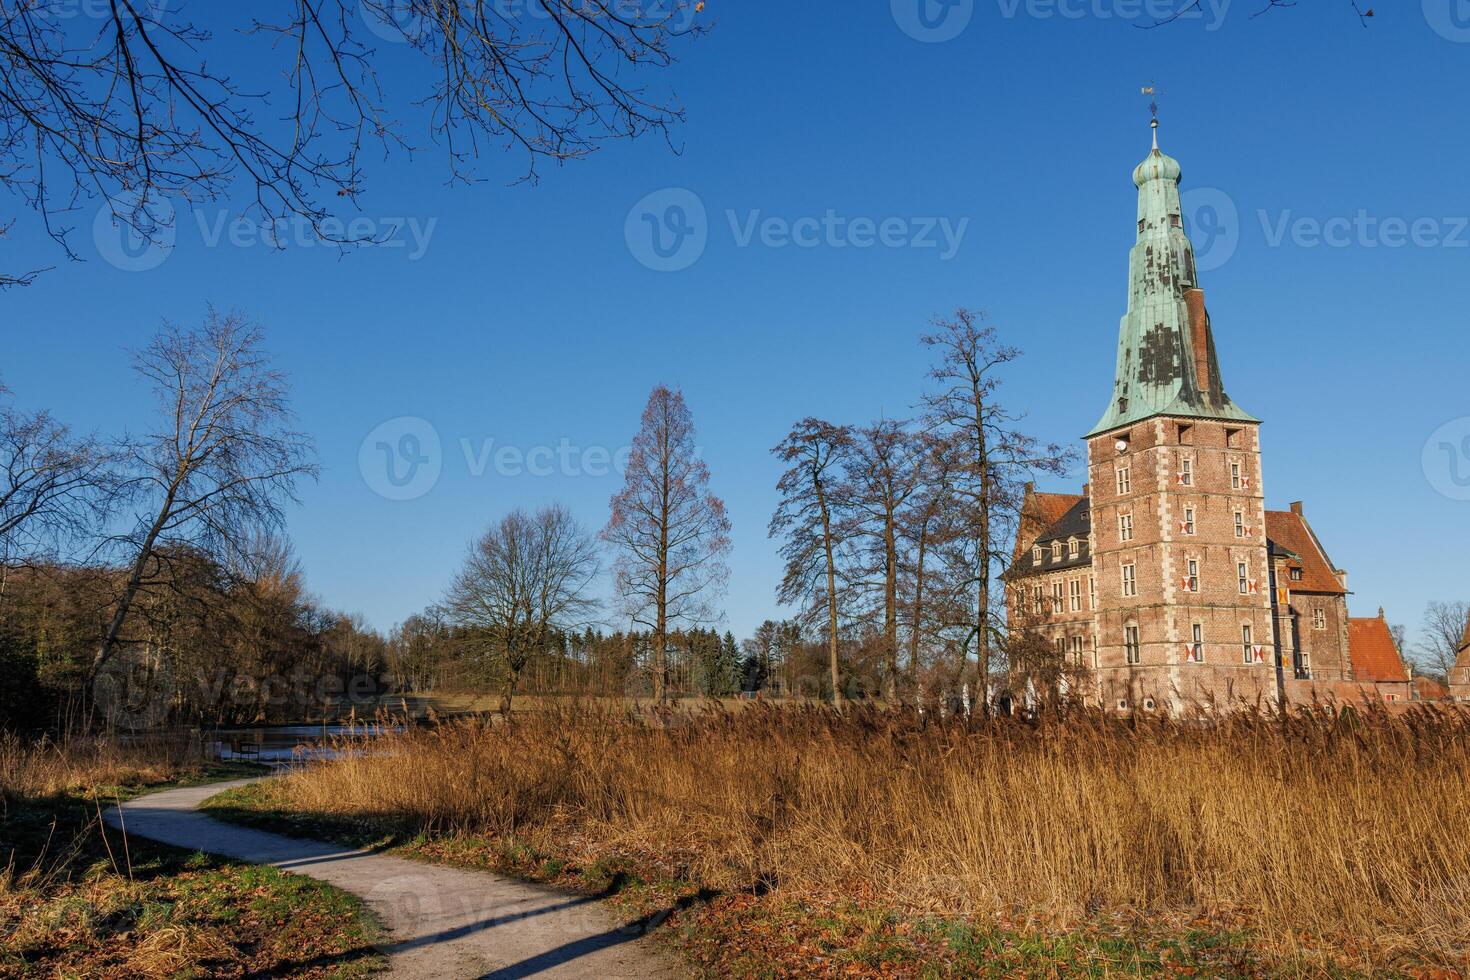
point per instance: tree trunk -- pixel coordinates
(831, 593)
(890, 607)
(918, 615)
(134, 583)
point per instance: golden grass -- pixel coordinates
(1309, 829)
(45, 768)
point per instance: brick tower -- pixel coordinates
(1178, 523)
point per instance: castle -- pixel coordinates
(1167, 582)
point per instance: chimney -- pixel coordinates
(1380, 614)
(1086, 490)
(1030, 488)
(1296, 508)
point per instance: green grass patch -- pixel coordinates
(80, 900)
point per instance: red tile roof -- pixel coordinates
(1291, 531)
(1375, 655)
(1052, 507)
(1039, 512)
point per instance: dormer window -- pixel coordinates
(1056, 551)
(1296, 574)
(1072, 547)
(1036, 555)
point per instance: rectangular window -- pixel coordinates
(1036, 555)
(1319, 619)
(1191, 580)
(1248, 648)
(1130, 580)
(1056, 597)
(1125, 481)
(1186, 472)
(1242, 575)
(1091, 592)
(1235, 476)
(1061, 646)
(1075, 596)
(1077, 650)
(1130, 644)
(1056, 551)
(1036, 599)
(1196, 650)
(1188, 520)
(1073, 548)
(1125, 527)
(1239, 524)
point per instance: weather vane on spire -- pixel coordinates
(1153, 92)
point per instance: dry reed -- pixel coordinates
(1319, 828)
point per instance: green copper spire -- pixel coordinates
(1166, 352)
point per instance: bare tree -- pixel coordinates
(991, 459)
(1442, 635)
(52, 485)
(807, 521)
(220, 465)
(127, 101)
(670, 532)
(523, 581)
(925, 531)
(882, 474)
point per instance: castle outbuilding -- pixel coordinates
(1167, 582)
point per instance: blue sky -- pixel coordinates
(527, 317)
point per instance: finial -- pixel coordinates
(1153, 92)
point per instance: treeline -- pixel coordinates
(894, 534)
(218, 646)
(145, 578)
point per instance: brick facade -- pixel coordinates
(1166, 583)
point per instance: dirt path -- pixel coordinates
(440, 921)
